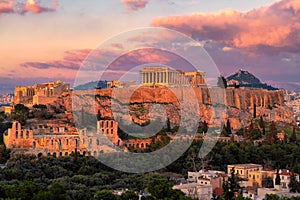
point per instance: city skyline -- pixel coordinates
(49, 40)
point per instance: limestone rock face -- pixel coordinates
(135, 104)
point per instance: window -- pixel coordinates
(67, 142)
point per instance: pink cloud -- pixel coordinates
(133, 5)
(33, 7)
(268, 29)
(72, 60)
(11, 6)
(6, 6)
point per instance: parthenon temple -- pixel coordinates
(167, 76)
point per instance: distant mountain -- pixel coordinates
(246, 79)
(92, 85)
(286, 86)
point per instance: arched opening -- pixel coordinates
(106, 124)
(97, 142)
(59, 144)
(33, 145)
(111, 124)
(54, 155)
(137, 145)
(66, 153)
(118, 144)
(83, 153)
(40, 155)
(95, 153)
(17, 134)
(48, 154)
(21, 134)
(77, 143)
(60, 154)
(27, 134)
(67, 141)
(142, 145)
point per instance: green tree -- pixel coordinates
(262, 125)
(104, 195)
(294, 185)
(228, 127)
(272, 197)
(254, 111)
(231, 186)
(277, 179)
(271, 136)
(168, 125)
(129, 195)
(161, 188)
(20, 113)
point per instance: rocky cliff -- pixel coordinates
(239, 103)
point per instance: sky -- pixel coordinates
(44, 40)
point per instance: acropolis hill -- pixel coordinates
(240, 103)
(59, 137)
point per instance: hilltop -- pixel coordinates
(246, 79)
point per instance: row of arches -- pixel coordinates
(68, 153)
(137, 145)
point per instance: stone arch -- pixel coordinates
(84, 153)
(59, 144)
(48, 154)
(66, 153)
(60, 153)
(54, 154)
(142, 145)
(40, 155)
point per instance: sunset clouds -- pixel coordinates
(269, 29)
(22, 7)
(72, 61)
(132, 5)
